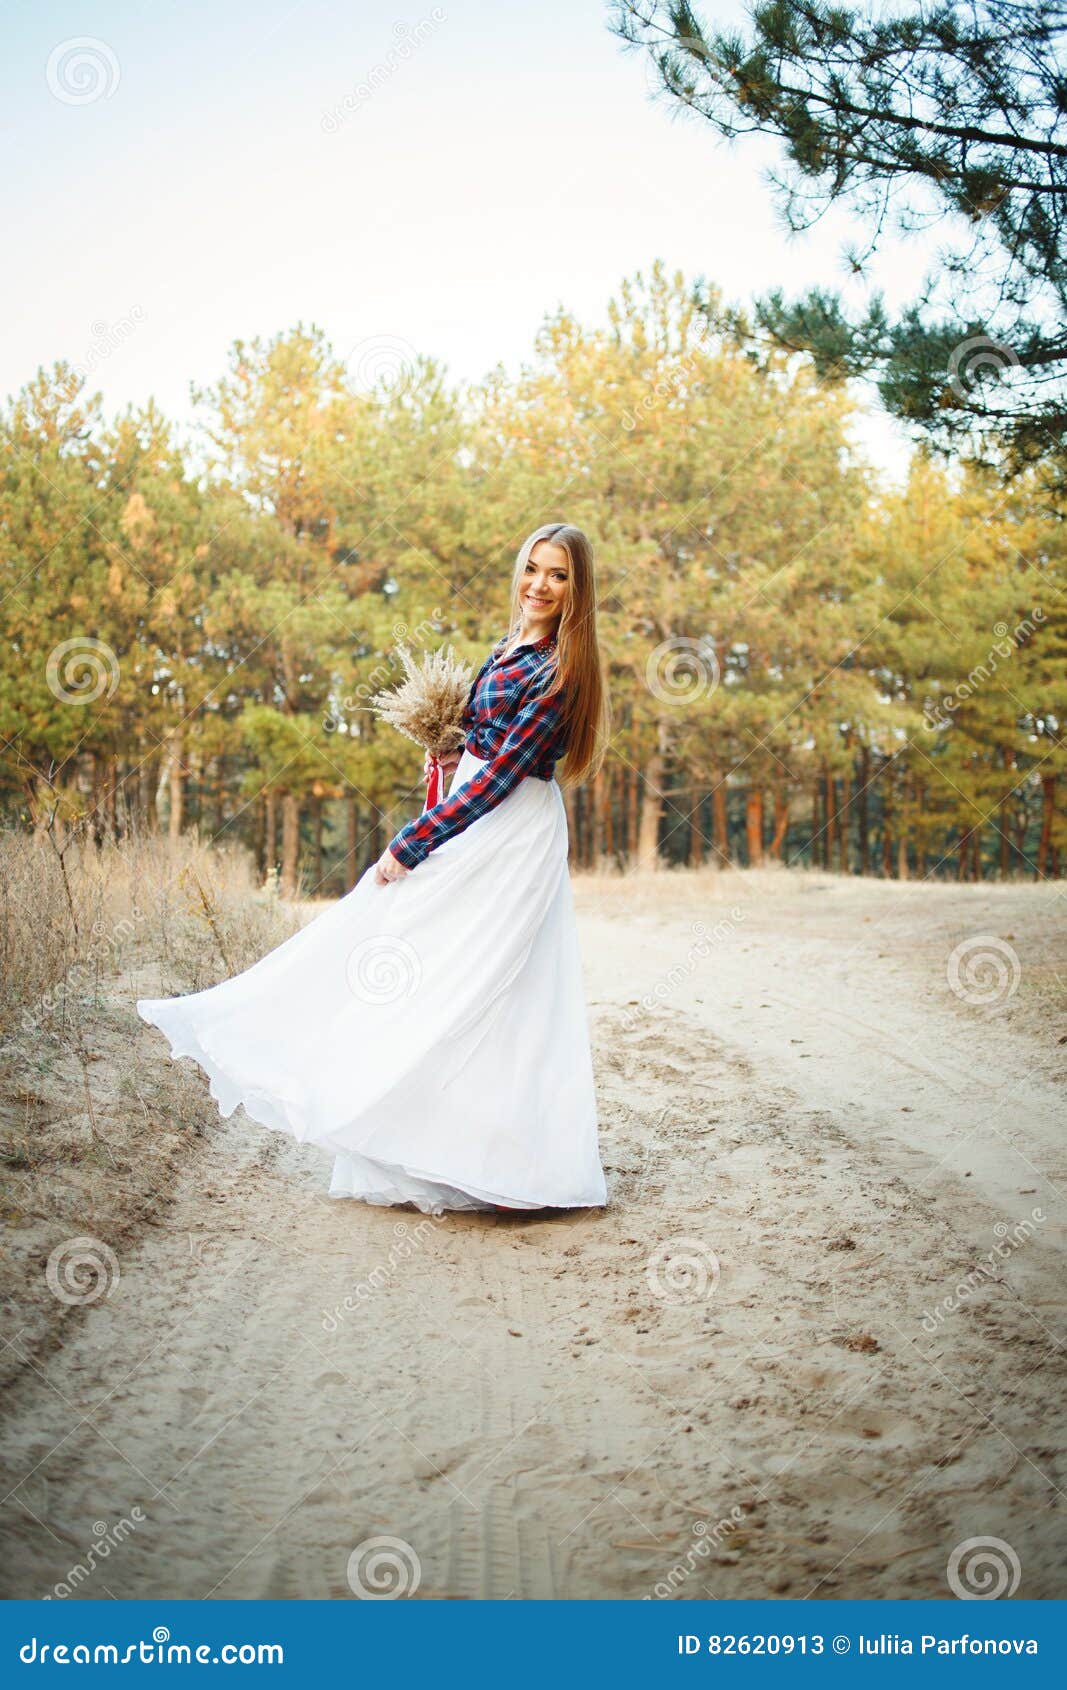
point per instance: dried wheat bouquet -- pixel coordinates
(428, 706)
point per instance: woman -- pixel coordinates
(430, 1028)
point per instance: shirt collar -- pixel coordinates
(527, 645)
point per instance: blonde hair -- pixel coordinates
(579, 665)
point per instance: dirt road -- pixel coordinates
(814, 1345)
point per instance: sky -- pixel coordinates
(427, 178)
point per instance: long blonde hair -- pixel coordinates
(579, 666)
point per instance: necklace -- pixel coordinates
(545, 639)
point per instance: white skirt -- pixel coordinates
(432, 1033)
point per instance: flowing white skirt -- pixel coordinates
(431, 1032)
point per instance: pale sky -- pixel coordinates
(493, 162)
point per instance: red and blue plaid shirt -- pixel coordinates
(512, 727)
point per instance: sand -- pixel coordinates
(812, 1347)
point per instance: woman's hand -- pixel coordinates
(448, 760)
(389, 868)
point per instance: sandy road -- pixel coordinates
(754, 1374)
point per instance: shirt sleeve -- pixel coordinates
(537, 724)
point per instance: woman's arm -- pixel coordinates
(531, 734)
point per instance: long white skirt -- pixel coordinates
(431, 1032)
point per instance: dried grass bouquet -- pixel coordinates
(428, 707)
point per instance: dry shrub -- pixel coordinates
(39, 941)
(74, 916)
(97, 1123)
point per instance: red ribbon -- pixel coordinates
(434, 784)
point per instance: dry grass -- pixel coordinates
(95, 1119)
(428, 705)
(72, 918)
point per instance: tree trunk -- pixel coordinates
(903, 872)
(601, 800)
(218, 770)
(580, 810)
(109, 807)
(962, 856)
(830, 831)
(652, 803)
(316, 846)
(781, 823)
(720, 821)
(887, 824)
(122, 801)
(176, 789)
(1048, 809)
(696, 836)
(195, 788)
(754, 826)
(632, 815)
(270, 848)
(841, 822)
(290, 844)
(352, 820)
(1004, 865)
(1004, 823)
(863, 817)
(94, 792)
(572, 825)
(148, 788)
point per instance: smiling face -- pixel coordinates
(544, 588)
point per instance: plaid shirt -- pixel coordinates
(510, 726)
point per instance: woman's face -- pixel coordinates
(545, 584)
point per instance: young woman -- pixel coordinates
(430, 1027)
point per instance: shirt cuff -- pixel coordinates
(404, 852)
